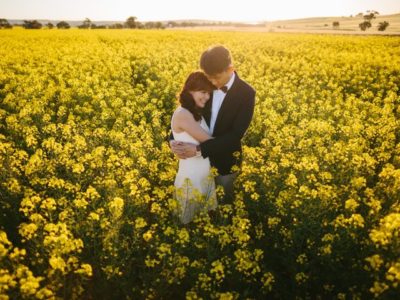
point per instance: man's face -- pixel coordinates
(220, 79)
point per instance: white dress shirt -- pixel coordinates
(217, 100)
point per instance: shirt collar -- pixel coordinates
(230, 82)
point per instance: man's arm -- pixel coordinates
(230, 140)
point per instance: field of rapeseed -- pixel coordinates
(86, 174)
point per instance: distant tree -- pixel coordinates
(50, 25)
(94, 26)
(188, 24)
(383, 25)
(131, 22)
(101, 26)
(371, 14)
(4, 24)
(160, 25)
(32, 24)
(365, 25)
(63, 25)
(154, 25)
(86, 24)
(116, 26)
(172, 24)
(368, 17)
(335, 24)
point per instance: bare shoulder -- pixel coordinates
(180, 117)
(183, 114)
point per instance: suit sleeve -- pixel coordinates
(229, 142)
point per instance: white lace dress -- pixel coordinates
(194, 185)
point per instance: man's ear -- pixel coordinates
(231, 68)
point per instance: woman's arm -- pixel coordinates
(185, 121)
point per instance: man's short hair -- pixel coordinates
(215, 59)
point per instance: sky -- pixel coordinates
(161, 10)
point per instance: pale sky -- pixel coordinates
(159, 10)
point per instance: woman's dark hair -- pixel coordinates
(196, 81)
(215, 59)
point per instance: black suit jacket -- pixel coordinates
(233, 119)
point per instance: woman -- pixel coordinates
(194, 185)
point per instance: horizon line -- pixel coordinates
(194, 19)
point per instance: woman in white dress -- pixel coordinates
(194, 184)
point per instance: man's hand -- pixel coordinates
(183, 150)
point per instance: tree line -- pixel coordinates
(131, 22)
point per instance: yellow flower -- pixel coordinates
(267, 281)
(147, 236)
(375, 261)
(94, 216)
(378, 288)
(45, 293)
(291, 180)
(151, 262)
(351, 204)
(29, 284)
(192, 296)
(273, 221)
(225, 296)
(183, 236)
(155, 207)
(393, 274)
(301, 259)
(4, 244)
(140, 223)
(28, 231)
(80, 203)
(389, 229)
(86, 269)
(218, 270)
(78, 168)
(57, 262)
(301, 277)
(116, 206)
(49, 204)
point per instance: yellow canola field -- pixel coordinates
(86, 175)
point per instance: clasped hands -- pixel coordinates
(183, 150)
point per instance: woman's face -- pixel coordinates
(200, 97)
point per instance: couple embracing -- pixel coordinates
(216, 108)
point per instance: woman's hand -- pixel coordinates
(183, 150)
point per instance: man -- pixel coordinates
(228, 114)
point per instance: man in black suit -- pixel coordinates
(228, 114)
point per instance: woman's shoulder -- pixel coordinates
(182, 113)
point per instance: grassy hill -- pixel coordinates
(349, 24)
